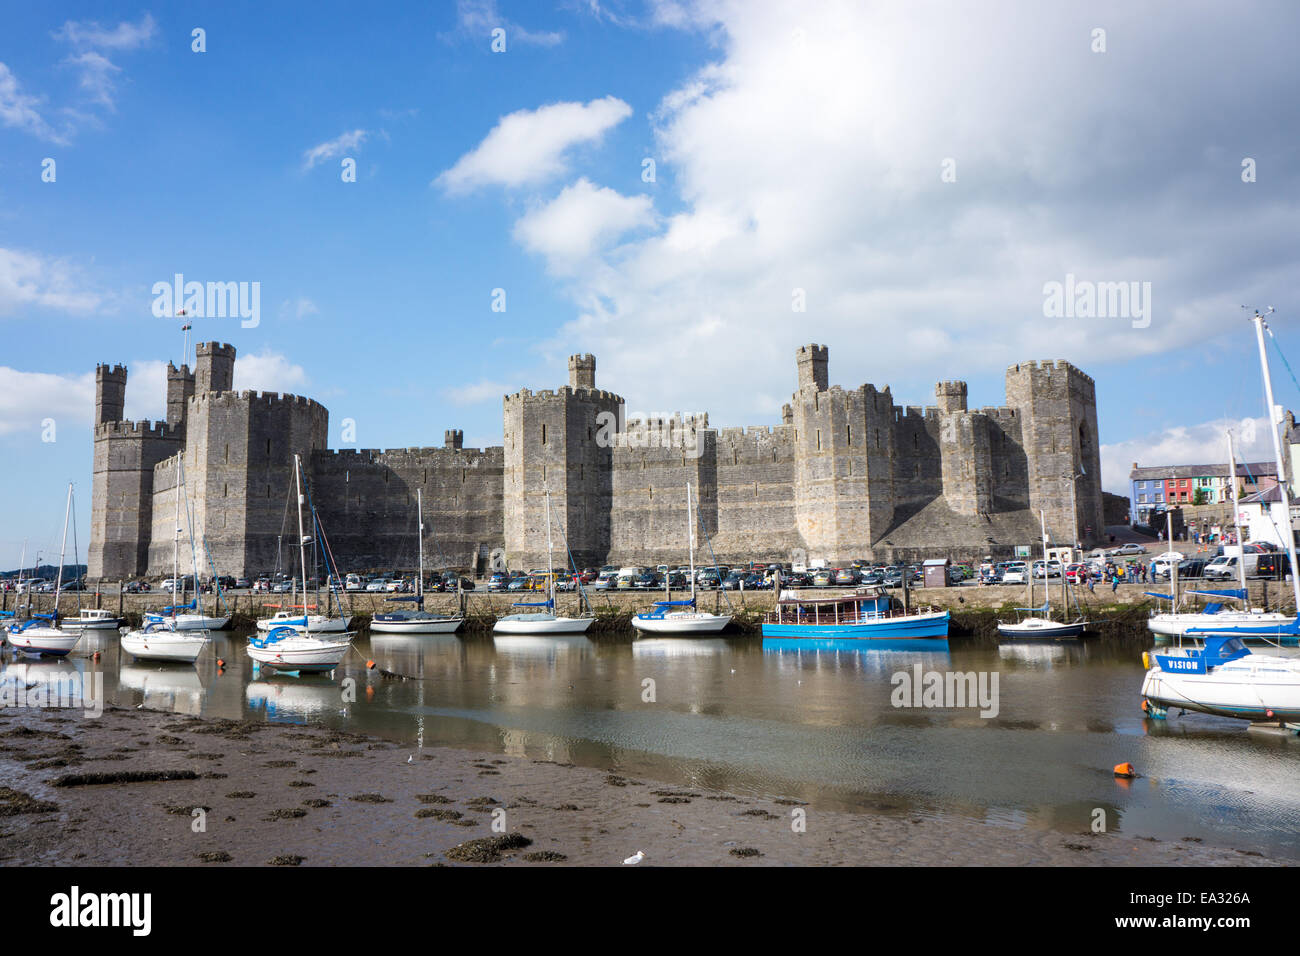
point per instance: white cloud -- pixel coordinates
(28, 398)
(268, 371)
(124, 36)
(22, 111)
(579, 221)
(96, 77)
(479, 392)
(809, 156)
(529, 146)
(97, 71)
(30, 280)
(478, 18)
(335, 147)
(1203, 444)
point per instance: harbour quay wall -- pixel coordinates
(1130, 600)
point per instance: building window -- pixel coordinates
(819, 439)
(268, 448)
(543, 434)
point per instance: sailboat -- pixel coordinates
(418, 621)
(1214, 617)
(299, 618)
(42, 635)
(681, 617)
(176, 639)
(545, 621)
(173, 617)
(1038, 625)
(1225, 677)
(291, 647)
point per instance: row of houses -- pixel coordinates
(1155, 490)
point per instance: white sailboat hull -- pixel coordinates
(189, 622)
(44, 641)
(1177, 624)
(541, 624)
(179, 646)
(429, 625)
(681, 622)
(1043, 629)
(1256, 687)
(316, 623)
(301, 653)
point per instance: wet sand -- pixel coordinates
(275, 794)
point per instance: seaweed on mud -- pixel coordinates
(214, 856)
(317, 803)
(241, 795)
(280, 763)
(481, 802)
(293, 813)
(437, 814)
(13, 802)
(287, 859)
(169, 740)
(568, 806)
(744, 851)
(544, 856)
(121, 776)
(489, 773)
(432, 798)
(213, 775)
(720, 796)
(487, 849)
(673, 793)
(789, 803)
(756, 812)
(674, 799)
(464, 823)
(370, 798)
(183, 809)
(301, 783)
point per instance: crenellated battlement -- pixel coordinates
(137, 430)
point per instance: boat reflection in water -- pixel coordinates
(910, 646)
(675, 647)
(294, 700)
(1041, 654)
(541, 647)
(178, 689)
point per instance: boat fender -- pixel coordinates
(370, 665)
(1125, 770)
(221, 664)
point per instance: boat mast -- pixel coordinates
(1173, 565)
(1281, 467)
(58, 580)
(176, 542)
(690, 539)
(302, 538)
(1236, 510)
(550, 568)
(419, 533)
(1047, 581)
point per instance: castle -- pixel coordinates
(846, 474)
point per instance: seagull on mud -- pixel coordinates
(634, 860)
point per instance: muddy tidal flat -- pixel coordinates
(122, 790)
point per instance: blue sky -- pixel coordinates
(795, 148)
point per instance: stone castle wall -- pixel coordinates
(846, 474)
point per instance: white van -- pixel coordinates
(627, 576)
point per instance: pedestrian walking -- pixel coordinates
(1114, 582)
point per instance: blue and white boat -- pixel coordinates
(682, 617)
(1225, 678)
(43, 635)
(865, 616)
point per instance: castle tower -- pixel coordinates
(582, 371)
(950, 397)
(560, 442)
(110, 393)
(1057, 404)
(842, 477)
(215, 369)
(812, 361)
(453, 438)
(180, 387)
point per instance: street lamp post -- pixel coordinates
(1074, 507)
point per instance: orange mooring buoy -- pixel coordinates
(220, 662)
(370, 665)
(1125, 770)
(1145, 705)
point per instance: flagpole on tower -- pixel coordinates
(185, 345)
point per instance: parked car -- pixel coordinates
(846, 577)
(498, 581)
(1129, 549)
(708, 579)
(1015, 574)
